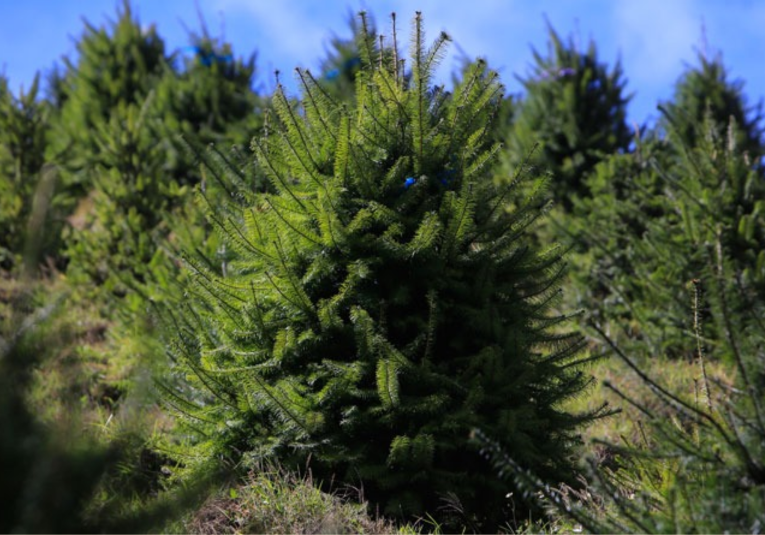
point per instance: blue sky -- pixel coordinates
(655, 39)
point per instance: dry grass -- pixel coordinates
(681, 377)
(273, 500)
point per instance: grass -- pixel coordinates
(272, 500)
(681, 377)
(89, 382)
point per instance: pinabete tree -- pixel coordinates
(645, 232)
(705, 93)
(383, 301)
(136, 119)
(24, 120)
(574, 109)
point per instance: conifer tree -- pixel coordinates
(382, 301)
(116, 238)
(642, 235)
(672, 265)
(23, 124)
(575, 109)
(116, 67)
(343, 61)
(210, 98)
(137, 156)
(705, 93)
(699, 467)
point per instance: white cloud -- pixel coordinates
(286, 29)
(655, 39)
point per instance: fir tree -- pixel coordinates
(642, 235)
(705, 93)
(138, 162)
(576, 110)
(115, 68)
(672, 265)
(343, 61)
(114, 241)
(210, 98)
(23, 125)
(382, 301)
(699, 467)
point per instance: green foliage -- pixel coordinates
(136, 154)
(575, 109)
(706, 91)
(50, 471)
(117, 237)
(381, 301)
(699, 467)
(61, 471)
(115, 68)
(209, 98)
(670, 262)
(23, 123)
(647, 230)
(343, 61)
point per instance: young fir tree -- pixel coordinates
(383, 302)
(640, 238)
(343, 61)
(699, 467)
(673, 240)
(141, 167)
(209, 97)
(23, 125)
(116, 67)
(115, 240)
(706, 90)
(575, 109)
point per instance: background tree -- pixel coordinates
(116, 67)
(343, 61)
(138, 158)
(23, 124)
(574, 107)
(704, 93)
(698, 465)
(209, 96)
(643, 233)
(115, 239)
(382, 302)
(668, 259)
